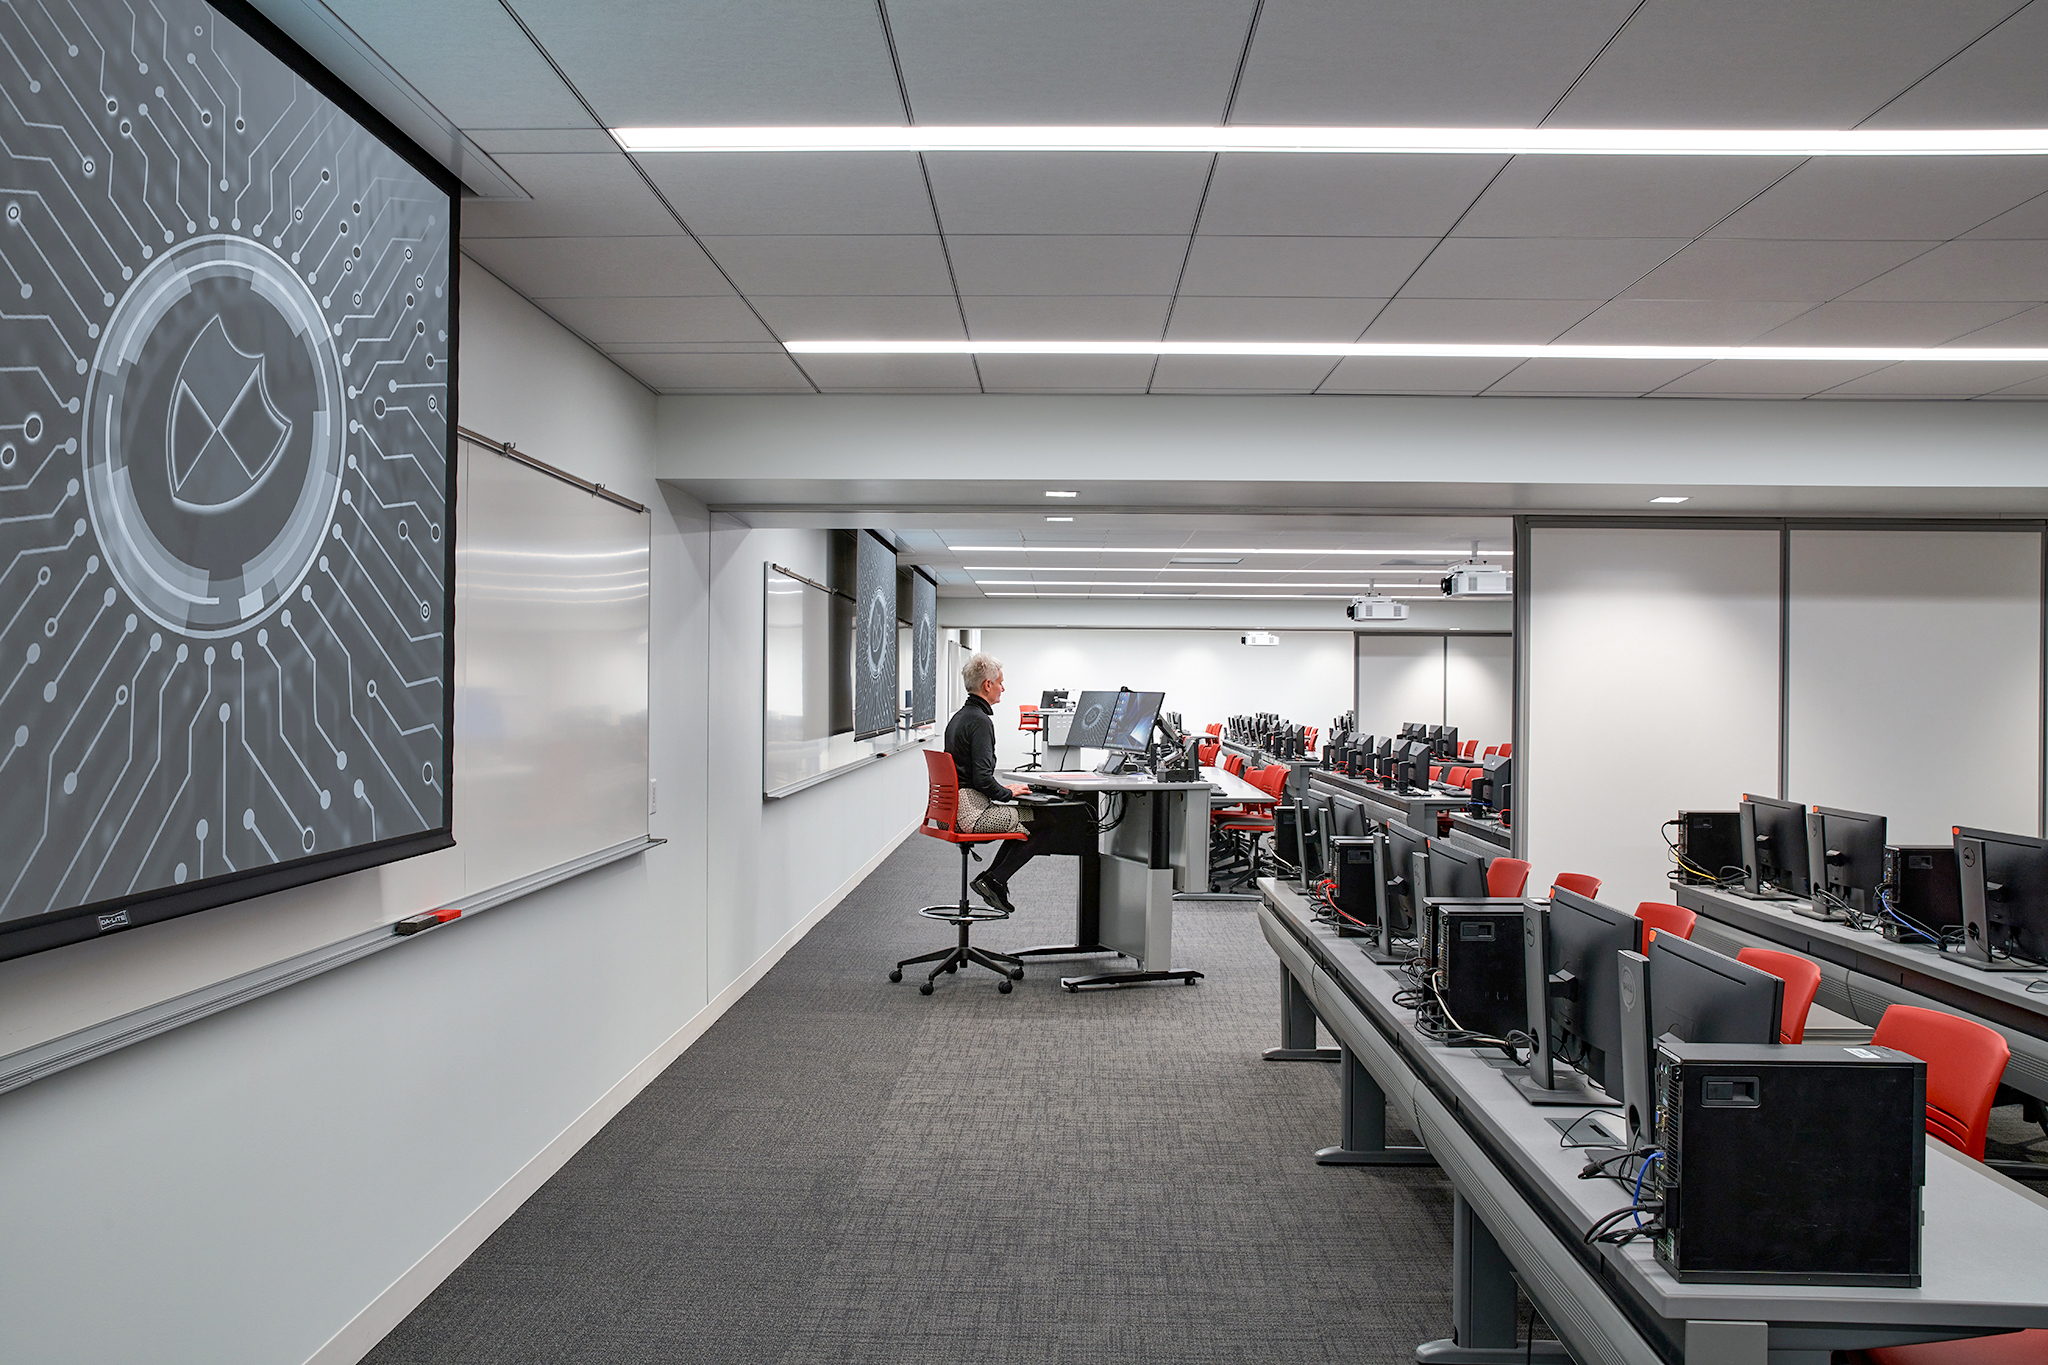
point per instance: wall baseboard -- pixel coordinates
(410, 1290)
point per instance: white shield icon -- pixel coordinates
(224, 433)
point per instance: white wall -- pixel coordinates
(1916, 678)
(1479, 687)
(255, 1164)
(1206, 675)
(1651, 688)
(1466, 681)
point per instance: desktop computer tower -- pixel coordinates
(1927, 886)
(1710, 840)
(1478, 959)
(1355, 872)
(1790, 1164)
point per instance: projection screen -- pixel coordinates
(226, 554)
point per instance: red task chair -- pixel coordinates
(1964, 1062)
(1468, 749)
(1661, 917)
(1507, 751)
(1507, 877)
(2029, 1347)
(941, 813)
(1243, 826)
(1234, 764)
(1216, 728)
(1205, 752)
(1578, 883)
(1491, 750)
(1802, 983)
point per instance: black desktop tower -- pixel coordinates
(1478, 959)
(1355, 872)
(1710, 840)
(1927, 887)
(1790, 1164)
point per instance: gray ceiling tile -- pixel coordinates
(1767, 378)
(654, 63)
(1718, 268)
(1765, 64)
(1682, 322)
(1910, 198)
(577, 194)
(2032, 388)
(839, 317)
(1592, 376)
(1308, 267)
(1095, 317)
(1254, 194)
(599, 267)
(1065, 373)
(1069, 61)
(715, 372)
(1942, 379)
(468, 58)
(735, 193)
(1341, 62)
(1066, 265)
(1508, 320)
(589, 138)
(892, 373)
(1968, 270)
(1996, 83)
(1249, 319)
(1067, 192)
(1863, 323)
(833, 264)
(2028, 222)
(1414, 374)
(1618, 196)
(1537, 267)
(1240, 374)
(2021, 329)
(683, 321)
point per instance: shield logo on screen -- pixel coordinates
(878, 630)
(225, 432)
(922, 654)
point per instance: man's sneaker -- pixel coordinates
(994, 893)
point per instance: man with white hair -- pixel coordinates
(986, 805)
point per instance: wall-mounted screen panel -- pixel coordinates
(226, 559)
(874, 638)
(924, 650)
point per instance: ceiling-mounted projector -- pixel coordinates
(1258, 637)
(1376, 608)
(1476, 580)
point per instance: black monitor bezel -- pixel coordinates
(1699, 963)
(1597, 1031)
(1127, 700)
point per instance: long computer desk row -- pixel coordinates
(1417, 810)
(1521, 1211)
(1862, 972)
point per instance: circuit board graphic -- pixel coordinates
(924, 650)
(224, 479)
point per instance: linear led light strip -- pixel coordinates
(1352, 141)
(1211, 596)
(1205, 550)
(1455, 350)
(1108, 583)
(1362, 574)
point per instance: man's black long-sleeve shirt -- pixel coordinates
(971, 740)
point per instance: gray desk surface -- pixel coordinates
(1098, 782)
(1231, 789)
(1999, 996)
(1491, 833)
(1980, 1250)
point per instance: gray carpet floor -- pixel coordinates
(845, 1170)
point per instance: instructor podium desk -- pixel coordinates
(1158, 844)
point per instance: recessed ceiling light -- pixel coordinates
(1207, 559)
(1059, 518)
(1801, 142)
(1671, 497)
(1441, 350)
(1062, 493)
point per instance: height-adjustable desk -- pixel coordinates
(1417, 810)
(1862, 972)
(1158, 844)
(1521, 1213)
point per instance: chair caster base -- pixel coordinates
(925, 989)
(896, 975)
(1003, 986)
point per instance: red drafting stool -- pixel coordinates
(1802, 983)
(1031, 721)
(1964, 1062)
(1660, 917)
(1578, 883)
(941, 811)
(1506, 877)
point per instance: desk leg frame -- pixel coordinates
(1298, 1026)
(1365, 1124)
(1484, 1325)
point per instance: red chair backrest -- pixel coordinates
(1234, 764)
(1579, 883)
(1028, 719)
(1436, 773)
(1661, 917)
(1506, 877)
(1271, 780)
(1491, 750)
(1217, 728)
(1802, 983)
(1205, 753)
(1470, 747)
(1507, 751)
(942, 804)
(1964, 1062)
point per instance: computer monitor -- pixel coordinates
(1575, 994)
(1447, 741)
(1701, 996)
(1055, 700)
(2005, 899)
(1350, 817)
(1383, 760)
(1131, 721)
(1456, 873)
(1845, 861)
(1403, 843)
(1491, 787)
(1413, 770)
(1091, 719)
(1774, 846)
